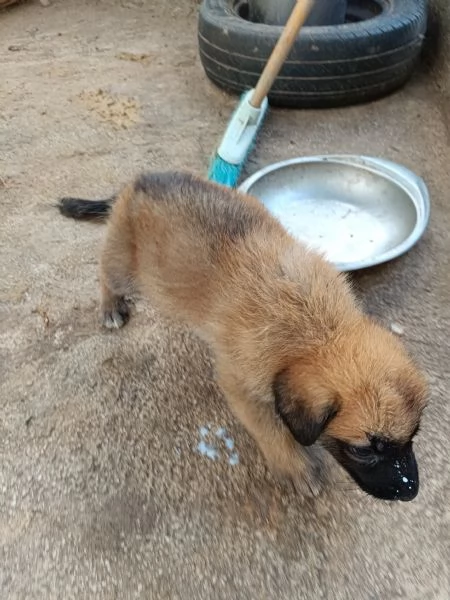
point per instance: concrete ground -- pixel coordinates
(102, 494)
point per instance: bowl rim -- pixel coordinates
(413, 185)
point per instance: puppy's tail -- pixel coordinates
(80, 209)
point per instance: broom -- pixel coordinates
(244, 125)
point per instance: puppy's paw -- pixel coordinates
(309, 483)
(302, 473)
(115, 316)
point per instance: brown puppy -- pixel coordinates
(295, 356)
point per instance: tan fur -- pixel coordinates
(218, 261)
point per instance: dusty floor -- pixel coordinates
(102, 494)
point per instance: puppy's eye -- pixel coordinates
(361, 452)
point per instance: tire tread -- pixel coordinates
(328, 65)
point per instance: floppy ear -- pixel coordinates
(304, 418)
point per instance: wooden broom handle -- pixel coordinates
(282, 48)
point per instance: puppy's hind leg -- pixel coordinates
(116, 275)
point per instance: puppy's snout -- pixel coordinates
(391, 477)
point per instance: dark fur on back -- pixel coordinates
(231, 219)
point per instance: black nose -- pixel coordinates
(394, 479)
(406, 477)
(406, 496)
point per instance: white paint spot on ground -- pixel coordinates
(217, 444)
(207, 450)
(234, 459)
(229, 443)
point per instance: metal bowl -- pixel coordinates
(357, 210)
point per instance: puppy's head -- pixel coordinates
(364, 397)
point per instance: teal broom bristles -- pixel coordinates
(224, 172)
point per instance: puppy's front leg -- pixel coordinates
(286, 459)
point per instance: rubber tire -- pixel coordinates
(328, 66)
